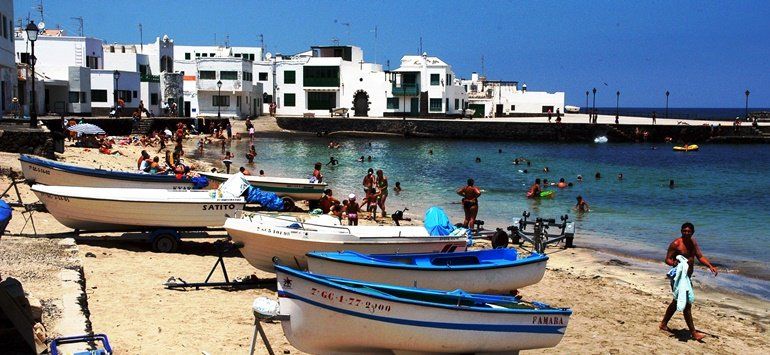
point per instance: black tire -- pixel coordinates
(288, 204)
(165, 243)
(500, 239)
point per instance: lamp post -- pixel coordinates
(667, 93)
(32, 32)
(587, 101)
(747, 103)
(594, 107)
(219, 99)
(617, 107)
(116, 76)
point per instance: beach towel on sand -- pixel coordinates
(681, 284)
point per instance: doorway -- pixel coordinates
(361, 104)
(414, 106)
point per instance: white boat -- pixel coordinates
(571, 109)
(330, 315)
(101, 209)
(289, 239)
(39, 170)
(496, 271)
(296, 189)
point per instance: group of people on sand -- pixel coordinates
(375, 194)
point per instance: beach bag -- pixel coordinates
(437, 223)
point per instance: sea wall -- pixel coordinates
(520, 131)
(124, 126)
(16, 138)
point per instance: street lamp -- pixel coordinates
(32, 32)
(667, 93)
(747, 103)
(594, 107)
(587, 102)
(116, 76)
(219, 99)
(617, 106)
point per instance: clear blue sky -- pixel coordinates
(706, 53)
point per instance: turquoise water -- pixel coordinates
(723, 189)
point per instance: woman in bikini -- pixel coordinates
(352, 210)
(382, 191)
(470, 201)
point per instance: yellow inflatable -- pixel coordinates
(686, 148)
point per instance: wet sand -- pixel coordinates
(617, 301)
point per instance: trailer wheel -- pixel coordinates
(500, 239)
(165, 243)
(288, 204)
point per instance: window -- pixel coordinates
(228, 75)
(211, 55)
(435, 105)
(393, 102)
(513, 107)
(153, 99)
(289, 99)
(144, 69)
(262, 76)
(268, 99)
(247, 76)
(74, 97)
(125, 95)
(237, 55)
(289, 77)
(197, 55)
(221, 100)
(237, 101)
(547, 108)
(187, 56)
(321, 76)
(204, 55)
(98, 95)
(447, 104)
(449, 79)
(207, 75)
(133, 93)
(321, 100)
(457, 104)
(435, 79)
(83, 97)
(5, 27)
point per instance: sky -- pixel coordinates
(705, 53)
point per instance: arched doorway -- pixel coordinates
(361, 103)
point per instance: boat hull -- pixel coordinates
(49, 172)
(262, 242)
(297, 189)
(328, 320)
(98, 214)
(499, 280)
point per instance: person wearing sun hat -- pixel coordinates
(352, 210)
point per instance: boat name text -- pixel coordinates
(547, 320)
(372, 307)
(40, 170)
(218, 207)
(55, 197)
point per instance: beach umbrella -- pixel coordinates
(86, 128)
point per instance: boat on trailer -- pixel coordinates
(44, 171)
(296, 189)
(289, 238)
(478, 271)
(115, 209)
(336, 315)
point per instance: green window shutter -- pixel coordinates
(289, 100)
(435, 79)
(289, 77)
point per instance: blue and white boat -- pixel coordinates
(479, 271)
(43, 171)
(336, 315)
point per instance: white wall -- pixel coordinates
(8, 75)
(103, 80)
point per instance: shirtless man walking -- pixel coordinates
(688, 247)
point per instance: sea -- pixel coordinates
(723, 189)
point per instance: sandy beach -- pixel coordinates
(617, 301)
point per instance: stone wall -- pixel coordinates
(520, 131)
(22, 139)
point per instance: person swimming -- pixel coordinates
(598, 175)
(581, 205)
(397, 188)
(534, 190)
(478, 159)
(670, 184)
(562, 184)
(361, 159)
(580, 178)
(620, 176)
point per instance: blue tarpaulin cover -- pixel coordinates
(268, 200)
(200, 182)
(5, 215)
(437, 223)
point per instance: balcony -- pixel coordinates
(148, 78)
(321, 82)
(406, 89)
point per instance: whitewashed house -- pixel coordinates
(8, 73)
(494, 98)
(64, 65)
(424, 86)
(205, 67)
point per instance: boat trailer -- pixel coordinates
(538, 236)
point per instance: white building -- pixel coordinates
(490, 98)
(8, 74)
(321, 79)
(425, 86)
(128, 58)
(206, 66)
(103, 85)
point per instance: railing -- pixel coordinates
(148, 78)
(322, 82)
(406, 89)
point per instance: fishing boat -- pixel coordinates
(337, 315)
(264, 237)
(478, 271)
(686, 148)
(296, 189)
(107, 209)
(39, 170)
(571, 109)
